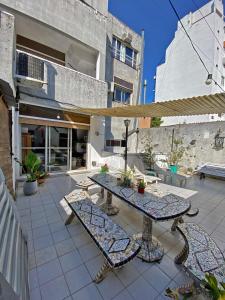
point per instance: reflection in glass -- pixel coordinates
(58, 160)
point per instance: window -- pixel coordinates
(115, 143)
(122, 95)
(222, 80)
(124, 53)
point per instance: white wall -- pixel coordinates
(182, 75)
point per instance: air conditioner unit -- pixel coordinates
(127, 37)
(111, 86)
(29, 69)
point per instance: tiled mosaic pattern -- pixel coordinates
(117, 247)
(159, 205)
(204, 255)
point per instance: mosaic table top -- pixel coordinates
(157, 204)
(204, 255)
(116, 245)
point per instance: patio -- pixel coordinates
(64, 260)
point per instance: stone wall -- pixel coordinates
(198, 139)
(5, 149)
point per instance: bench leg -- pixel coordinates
(176, 222)
(182, 256)
(70, 218)
(102, 272)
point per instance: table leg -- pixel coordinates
(151, 249)
(108, 207)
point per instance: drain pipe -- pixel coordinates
(140, 79)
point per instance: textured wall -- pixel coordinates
(6, 47)
(5, 157)
(198, 139)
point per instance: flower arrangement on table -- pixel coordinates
(127, 178)
(141, 186)
(104, 169)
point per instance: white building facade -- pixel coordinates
(182, 75)
(57, 55)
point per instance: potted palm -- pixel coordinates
(176, 155)
(127, 178)
(149, 156)
(31, 165)
(141, 187)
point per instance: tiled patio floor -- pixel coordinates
(64, 260)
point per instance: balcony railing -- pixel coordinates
(29, 66)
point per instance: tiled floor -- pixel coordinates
(64, 260)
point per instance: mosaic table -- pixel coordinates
(200, 254)
(155, 205)
(117, 247)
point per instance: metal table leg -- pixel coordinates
(151, 249)
(108, 207)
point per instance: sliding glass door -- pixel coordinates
(60, 149)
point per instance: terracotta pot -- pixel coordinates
(41, 180)
(141, 190)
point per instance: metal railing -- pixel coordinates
(29, 66)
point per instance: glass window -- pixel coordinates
(59, 137)
(33, 136)
(118, 94)
(124, 53)
(122, 95)
(129, 56)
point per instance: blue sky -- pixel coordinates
(159, 22)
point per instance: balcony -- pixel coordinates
(44, 79)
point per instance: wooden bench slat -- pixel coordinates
(106, 234)
(203, 253)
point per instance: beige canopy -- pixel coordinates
(211, 104)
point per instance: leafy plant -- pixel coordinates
(31, 165)
(156, 122)
(177, 152)
(104, 168)
(127, 177)
(216, 290)
(149, 156)
(141, 184)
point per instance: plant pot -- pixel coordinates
(174, 168)
(30, 188)
(141, 190)
(41, 180)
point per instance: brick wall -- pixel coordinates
(5, 157)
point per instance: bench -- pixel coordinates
(117, 247)
(200, 253)
(13, 249)
(214, 170)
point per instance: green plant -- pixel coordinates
(156, 122)
(141, 184)
(104, 168)
(127, 177)
(215, 289)
(177, 152)
(30, 166)
(149, 156)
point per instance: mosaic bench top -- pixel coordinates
(158, 205)
(203, 253)
(117, 247)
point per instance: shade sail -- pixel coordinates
(201, 105)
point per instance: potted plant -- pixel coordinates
(127, 178)
(212, 288)
(41, 176)
(176, 155)
(104, 168)
(141, 187)
(149, 156)
(31, 165)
